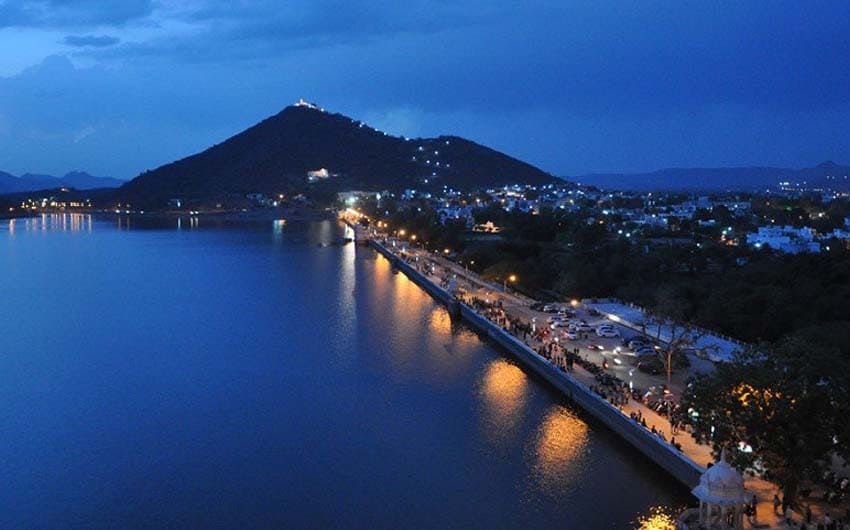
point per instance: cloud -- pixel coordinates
(572, 86)
(90, 41)
(71, 13)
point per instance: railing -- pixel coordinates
(646, 312)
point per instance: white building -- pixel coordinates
(785, 239)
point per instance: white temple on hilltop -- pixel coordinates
(302, 103)
(722, 499)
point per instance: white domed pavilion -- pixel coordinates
(722, 497)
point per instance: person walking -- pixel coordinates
(789, 516)
(776, 503)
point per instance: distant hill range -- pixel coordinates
(76, 179)
(826, 175)
(305, 146)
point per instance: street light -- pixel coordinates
(511, 278)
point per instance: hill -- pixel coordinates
(276, 155)
(33, 182)
(826, 175)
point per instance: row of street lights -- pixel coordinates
(511, 278)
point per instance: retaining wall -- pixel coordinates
(671, 460)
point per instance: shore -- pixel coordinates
(502, 319)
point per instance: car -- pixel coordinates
(652, 365)
(584, 326)
(646, 352)
(607, 331)
(595, 347)
(636, 343)
(570, 335)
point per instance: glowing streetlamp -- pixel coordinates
(511, 278)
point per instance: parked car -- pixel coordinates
(584, 326)
(651, 365)
(637, 343)
(603, 331)
(595, 347)
(570, 335)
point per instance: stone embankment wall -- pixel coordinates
(667, 457)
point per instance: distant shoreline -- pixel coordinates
(266, 214)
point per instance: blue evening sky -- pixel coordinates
(118, 86)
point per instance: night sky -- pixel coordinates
(115, 87)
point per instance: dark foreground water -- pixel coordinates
(213, 376)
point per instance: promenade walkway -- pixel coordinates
(516, 308)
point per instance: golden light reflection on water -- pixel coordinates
(504, 389)
(658, 518)
(54, 222)
(440, 324)
(561, 443)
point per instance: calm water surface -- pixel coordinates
(241, 376)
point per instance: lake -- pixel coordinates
(193, 373)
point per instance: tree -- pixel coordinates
(672, 313)
(784, 413)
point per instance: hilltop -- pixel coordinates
(75, 179)
(338, 152)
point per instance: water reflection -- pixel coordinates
(562, 440)
(54, 222)
(347, 276)
(658, 518)
(504, 389)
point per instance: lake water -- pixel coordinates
(212, 375)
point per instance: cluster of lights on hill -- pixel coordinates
(427, 154)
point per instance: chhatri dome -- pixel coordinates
(722, 499)
(721, 484)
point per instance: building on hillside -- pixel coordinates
(318, 174)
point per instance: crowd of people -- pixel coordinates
(618, 393)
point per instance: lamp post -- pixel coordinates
(511, 278)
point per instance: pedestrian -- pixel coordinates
(789, 516)
(776, 503)
(754, 509)
(809, 514)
